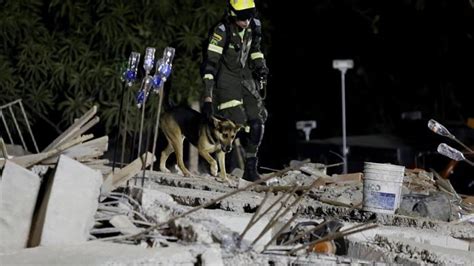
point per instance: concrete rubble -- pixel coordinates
(67, 201)
(67, 209)
(19, 190)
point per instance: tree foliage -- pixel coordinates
(63, 56)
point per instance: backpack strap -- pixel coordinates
(225, 26)
(256, 27)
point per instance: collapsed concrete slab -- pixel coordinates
(159, 206)
(167, 196)
(408, 252)
(162, 207)
(100, 253)
(238, 221)
(191, 197)
(67, 209)
(425, 236)
(200, 183)
(19, 190)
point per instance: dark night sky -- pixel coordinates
(408, 55)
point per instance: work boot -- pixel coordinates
(250, 172)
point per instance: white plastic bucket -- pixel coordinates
(382, 187)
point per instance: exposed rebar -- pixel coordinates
(349, 231)
(274, 218)
(273, 221)
(283, 228)
(250, 223)
(124, 85)
(302, 234)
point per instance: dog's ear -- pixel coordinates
(215, 122)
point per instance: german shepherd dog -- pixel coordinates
(212, 136)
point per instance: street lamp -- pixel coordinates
(343, 66)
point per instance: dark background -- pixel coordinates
(408, 56)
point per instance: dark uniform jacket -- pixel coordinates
(229, 61)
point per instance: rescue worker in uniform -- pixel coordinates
(233, 71)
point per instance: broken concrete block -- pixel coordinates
(159, 206)
(192, 231)
(19, 190)
(67, 210)
(435, 206)
(212, 256)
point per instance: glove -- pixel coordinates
(208, 110)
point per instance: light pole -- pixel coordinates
(343, 66)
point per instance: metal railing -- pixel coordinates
(8, 108)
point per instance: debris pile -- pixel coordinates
(66, 200)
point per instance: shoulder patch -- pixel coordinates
(216, 37)
(221, 27)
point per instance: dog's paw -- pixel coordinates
(187, 174)
(164, 170)
(220, 179)
(226, 181)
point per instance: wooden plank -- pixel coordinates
(120, 177)
(69, 133)
(313, 172)
(84, 151)
(86, 127)
(32, 159)
(96, 162)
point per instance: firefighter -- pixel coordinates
(233, 71)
